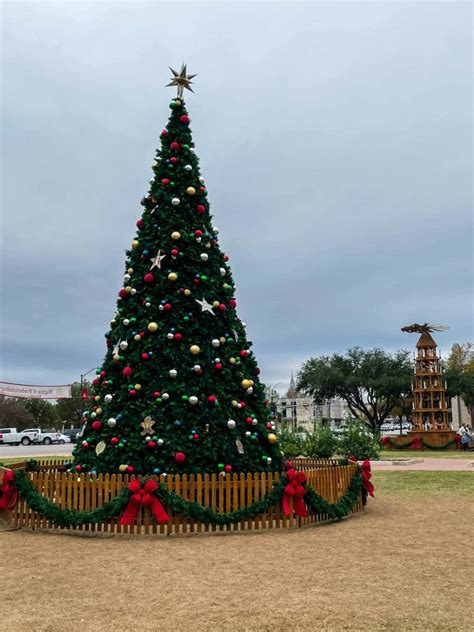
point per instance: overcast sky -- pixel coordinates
(335, 139)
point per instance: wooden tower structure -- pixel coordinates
(430, 410)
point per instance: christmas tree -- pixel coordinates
(178, 390)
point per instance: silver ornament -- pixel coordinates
(111, 422)
(175, 201)
(123, 345)
(204, 256)
(193, 400)
(231, 423)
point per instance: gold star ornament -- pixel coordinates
(181, 80)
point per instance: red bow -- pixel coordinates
(143, 496)
(416, 444)
(294, 489)
(366, 476)
(8, 491)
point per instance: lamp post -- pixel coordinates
(83, 375)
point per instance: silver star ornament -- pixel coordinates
(181, 80)
(205, 306)
(156, 261)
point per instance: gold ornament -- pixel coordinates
(215, 304)
(147, 425)
(137, 337)
(194, 349)
(175, 235)
(130, 271)
(222, 340)
(246, 383)
(116, 358)
(135, 244)
(181, 80)
(232, 360)
(128, 289)
(152, 327)
(191, 191)
(172, 276)
(98, 411)
(137, 387)
(272, 438)
(234, 403)
(100, 447)
(187, 292)
(97, 398)
(123, 467)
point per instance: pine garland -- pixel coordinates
(423, 442)
(185, 508)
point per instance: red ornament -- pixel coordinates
(97, 426)
(243, 353)
(249, 420)
(174, 252)
(287, 465)
(105, 384)
(132, 392)
(156, 394)
(130, 469)
(165, 181)
(180, 458)
(168, 307)
(233, 302)
(142, 334)
(198, 233)
(164, 132)
(95, 381)
(257, 371)
(174, 160)
(200, 208)
(122, 293)
(178, 336)
(114, 440)
(226, 258)
(184, 119)
(103, 373)
(175, 145)
(211, 399)
(145, 356)
(127, 372)
(222, 307)
(148, 278)
(228, 468)
(151, 444)
(78, 468)
(268, 426)
(218, 366)
(140, 223)
(196, 436)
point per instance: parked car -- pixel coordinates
(11, 436)
(36, 435)
(72, 433)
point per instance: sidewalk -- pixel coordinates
(425, 465)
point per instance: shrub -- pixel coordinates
(358, 441)
(321, 443)
(291, 443)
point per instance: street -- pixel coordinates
(33, 451)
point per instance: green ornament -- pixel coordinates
(203, 277)
(184, 398)
(186, 146)
(158, 400)
(185, 317)
(172, 105)
(220, 466)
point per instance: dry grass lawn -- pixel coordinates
(398, 566)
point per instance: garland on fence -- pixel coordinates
(416, 443)
(149, 493)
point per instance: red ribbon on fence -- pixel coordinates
(384, 441)
(294, 489)
(143, 496)
(8, 491)
(366, 472)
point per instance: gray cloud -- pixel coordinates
(336, 144)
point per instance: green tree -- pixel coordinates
(459, 374)
(371, 382)
(356, 440)
(14, 414)
(43, 413)
(70, 410)
(178, 390)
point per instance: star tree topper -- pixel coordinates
(181, 80)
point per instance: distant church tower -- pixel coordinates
(291, 392)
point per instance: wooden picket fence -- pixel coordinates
(221, 493)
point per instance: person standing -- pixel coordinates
(465, 433)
